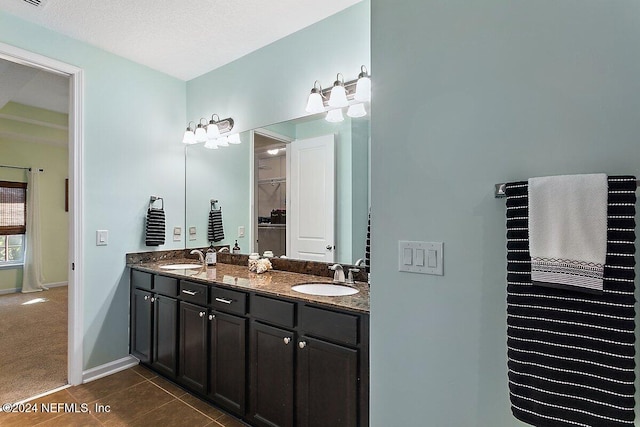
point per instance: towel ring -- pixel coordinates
(154, 199)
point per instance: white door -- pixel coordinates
(311, 181)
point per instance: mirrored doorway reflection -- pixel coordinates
(34, 133)
(270, 156)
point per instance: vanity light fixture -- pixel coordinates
(189, 137)
(274, 151)
(212, 128)
(315, 102)
(234, 139)
(363, 86)
(223, 141)
(205, 132)
(354, 94)
(356, 110)
(201, 133)
(335, 116)
(338, 97)
(211, 144)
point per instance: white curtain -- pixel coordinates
(32, 279)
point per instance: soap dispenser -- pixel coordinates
(236, 248)
(210, 256)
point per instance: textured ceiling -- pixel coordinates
(184, 38)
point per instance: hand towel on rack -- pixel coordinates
(216, 230)
(568, 230)
(155, 227)
(571, 356)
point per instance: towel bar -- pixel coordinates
(499, 189)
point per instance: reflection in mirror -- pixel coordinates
(290, 187)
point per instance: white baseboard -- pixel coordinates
(48, 285)
(108, 368)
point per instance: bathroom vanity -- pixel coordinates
(251, 345)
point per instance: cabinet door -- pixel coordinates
(141, 324)
(227, 362)
(271, 376)
(165, 339)
(193, 347)
(327, 384)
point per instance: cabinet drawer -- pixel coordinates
(228, 300)
(165, 286)
(273, 310)
(340, 327)
(193, 292)
(140, 279)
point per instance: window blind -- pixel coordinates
(13, 207)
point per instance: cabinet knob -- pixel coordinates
(153, 299)
(211, 317)
(202, 313)
(146, 297)
(302, 344)
(287, 340)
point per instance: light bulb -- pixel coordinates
(356, 110)
(223, 141)
(335, 116)
(314, 103)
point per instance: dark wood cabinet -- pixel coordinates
(193, 347)
(271, 401)
(327, 384)
(274, 362)
(227, 361)
(165, 327)
(141, 323)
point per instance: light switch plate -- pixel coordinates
(177, 234)
(421, 257)
(241, 231)
(102, 237)
(192, 233)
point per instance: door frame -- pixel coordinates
(76, 214)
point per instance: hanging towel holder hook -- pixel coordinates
(153, 199)
(213, 204)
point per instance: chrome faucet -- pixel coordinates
(225, 249)
(359, 262)
(338, 275)
(200, 255)
(350, 280)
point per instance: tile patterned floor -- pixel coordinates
(135, 397)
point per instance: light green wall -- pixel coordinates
(467, 95)
(134, 118)
(53, 159)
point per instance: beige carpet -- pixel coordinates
(33, 343)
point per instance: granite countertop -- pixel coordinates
(273, 282)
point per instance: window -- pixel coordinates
(13, 215)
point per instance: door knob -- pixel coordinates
(329, 247)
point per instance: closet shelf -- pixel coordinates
(272, 181)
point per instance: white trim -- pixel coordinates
(76, 177)
(109, 368)
(46, 393)
(48, 285)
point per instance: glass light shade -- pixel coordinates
(222, 141)
(338, 97)
(211, 144)
(314, 103)
(234, 139)
(363, 89)
(356, 110)
(212, 131)
(335, 116)
(201, 134)
(274, 151)
(189, 137)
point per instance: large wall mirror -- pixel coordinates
(298, 188)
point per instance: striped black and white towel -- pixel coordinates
(155, 227)
(571, 354)
(216, 230)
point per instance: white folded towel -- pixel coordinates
(568, 230)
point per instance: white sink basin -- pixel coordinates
(324, 289)
(181, 266)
